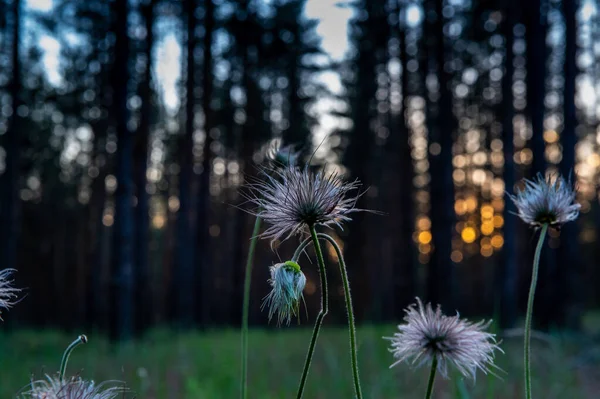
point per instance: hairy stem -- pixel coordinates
(529, 314)
(82, 339)
(431, 378)
(322, 312)
(349, 308)
(246, 306)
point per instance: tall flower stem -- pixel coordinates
(82, 339)
(322, 312)
(529, 314)
(431, 378)
(349, 308)
(246, 306)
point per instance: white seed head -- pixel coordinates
(74, 388)
(291, 199)
(287, 282)
(8, 294)
(546, 201)
(428, 335)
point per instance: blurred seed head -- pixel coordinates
(281, 157)
(292, 199)
(74, 388)
(287, 282)
(428, 334)
(8, 293)
(546, 201)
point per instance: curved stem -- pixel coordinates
(349, 308)
(431, 378)
(301, 248)
(529, 314)
(322, 312)
(82, 339)
(246, 305)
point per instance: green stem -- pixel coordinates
(349, 308)
(301, 248)
(246, 305)
(431, 378)
(322, 312)
(82, 339)
(529, 314)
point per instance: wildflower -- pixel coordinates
(287, 282)
(7, 292)
(293, 199)
(74, 388)
(546, 202)
(429, 335)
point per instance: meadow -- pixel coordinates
(206, 365)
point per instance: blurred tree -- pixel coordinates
(507, 277)
(10, 201)
(440, 280)
(183, 283)
(143, 297)
(121, 309)
(568, 276)
(203, 250)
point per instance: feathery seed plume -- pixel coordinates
(544, 201)
(429, 334)
(7, 292)
(74, 388)
(287, 282)
(292, 199)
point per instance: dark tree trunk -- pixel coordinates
(440, 281)
(184, 274)
(537, 28)
(508, 270)
(356, 159)
(143, 295)
(295, 134)
(568, 274)
(122, 265)
(204, 278)
(10, 180)
(405, 281)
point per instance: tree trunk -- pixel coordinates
(406, 279)
(143, 295)
(10, 182)
(568, 274)
(508, 270)
(184, 274)
(122, 273)
(204, 278)
(440, 281)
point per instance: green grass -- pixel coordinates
(206, 365)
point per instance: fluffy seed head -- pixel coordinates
(428, 334)
(544, 201)
(8, 294)
(291, 199)
(74, 388)
(287, 282)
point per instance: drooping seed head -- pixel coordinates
(292, 199)
(287, 284)
(428, 334)
(546, 201)
(74, 388)
(8, 293)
